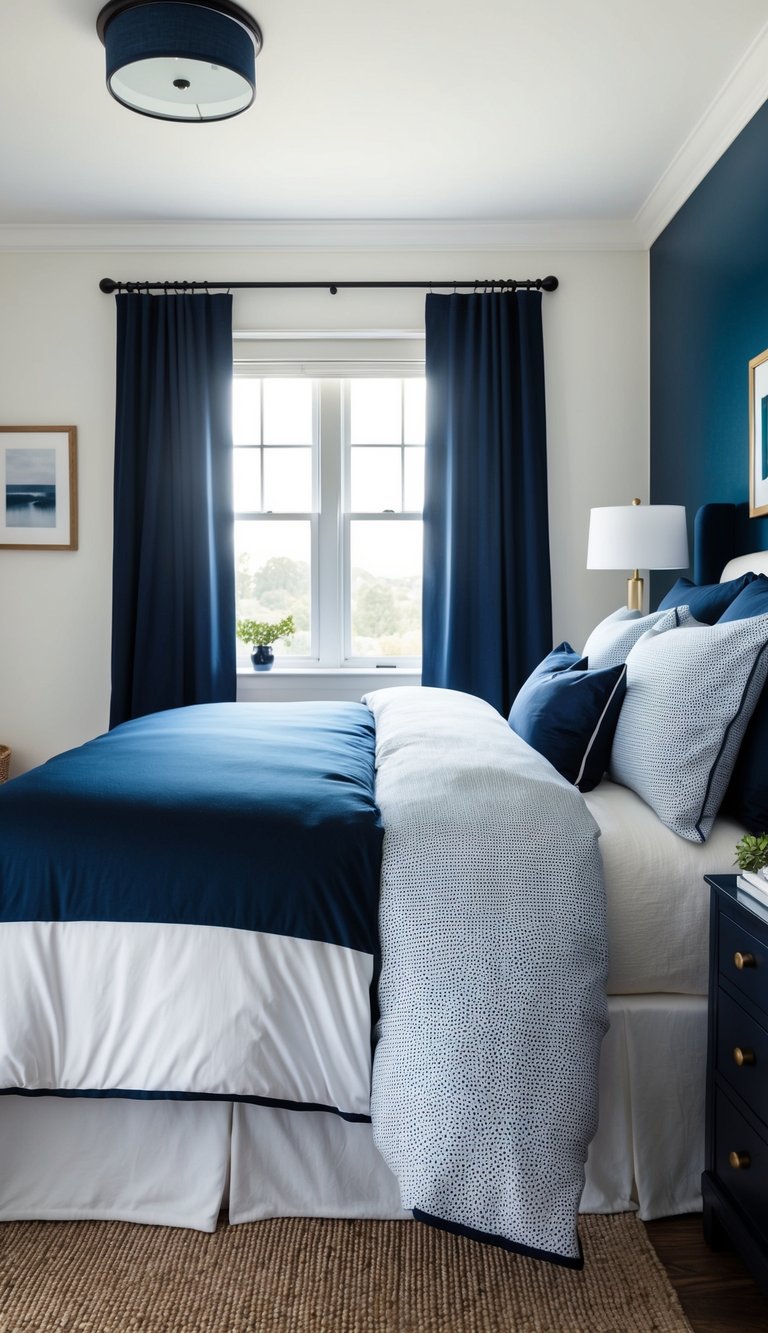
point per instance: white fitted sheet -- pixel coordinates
(658, 903)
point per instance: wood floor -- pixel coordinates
(713, 1286)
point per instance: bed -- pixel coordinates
(180, 1160)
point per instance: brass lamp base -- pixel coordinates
(635, 592)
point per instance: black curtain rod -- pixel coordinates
(549, 284)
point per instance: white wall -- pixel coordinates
(57, 368)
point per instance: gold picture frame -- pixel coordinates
(758, 435)
(38, 475)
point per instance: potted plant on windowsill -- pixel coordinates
(260, 635)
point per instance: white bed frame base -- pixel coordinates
(179, 1163)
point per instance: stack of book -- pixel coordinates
(753, 883)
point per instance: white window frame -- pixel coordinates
(349, 516)
(331, 358)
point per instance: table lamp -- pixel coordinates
(637, 537)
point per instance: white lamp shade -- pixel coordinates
(637, 537)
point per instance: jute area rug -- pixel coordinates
(297, 1275)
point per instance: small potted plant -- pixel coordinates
(752, 853)
(260, 635)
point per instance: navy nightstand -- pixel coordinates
(735, 1182)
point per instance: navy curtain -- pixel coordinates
(487, 606)
(173, 604)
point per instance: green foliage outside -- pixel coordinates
(279, 589)
(386, 612)
(386, 616)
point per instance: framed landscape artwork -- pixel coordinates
(758, 435)
(38, 474)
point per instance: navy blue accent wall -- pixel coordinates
(709, 317)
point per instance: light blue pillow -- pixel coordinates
(610, 642)
(690, 694)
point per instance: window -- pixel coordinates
(328, 497)
(275, 464)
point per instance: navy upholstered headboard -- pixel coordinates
(714, 541)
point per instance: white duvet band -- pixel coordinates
(102, 1005)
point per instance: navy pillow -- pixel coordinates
(569, 715)
(751, 601)
(707, 601)
(747, 795)
(561, 657)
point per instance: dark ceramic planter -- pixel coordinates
(262, 657)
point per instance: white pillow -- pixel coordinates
(610, 642)
(690, 694)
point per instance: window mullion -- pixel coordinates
(402, 447)
(345, 536)
(261, 445)
(329, 524)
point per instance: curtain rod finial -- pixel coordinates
(108, 285)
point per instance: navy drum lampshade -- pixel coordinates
(192, 60)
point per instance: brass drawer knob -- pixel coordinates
(739, 1160)
(743, 1055)
(742, 960)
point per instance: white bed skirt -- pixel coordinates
(179, 1163)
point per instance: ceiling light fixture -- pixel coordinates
(194, 60)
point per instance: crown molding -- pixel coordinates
(740, 97)
(178, 237)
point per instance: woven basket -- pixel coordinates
(5, 762)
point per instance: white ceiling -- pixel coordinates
(494, 111)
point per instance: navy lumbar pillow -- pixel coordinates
(561, 657)
(569, 715)
(751, 601)
(707, 601)
(747, 795)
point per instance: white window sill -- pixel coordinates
(294, 684)
(331, 671)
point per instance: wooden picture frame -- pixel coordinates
(758, 435)
(38, 475)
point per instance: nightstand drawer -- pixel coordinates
(744, 960)
(735, 1183)
(742, 1054)
(736, 1141)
